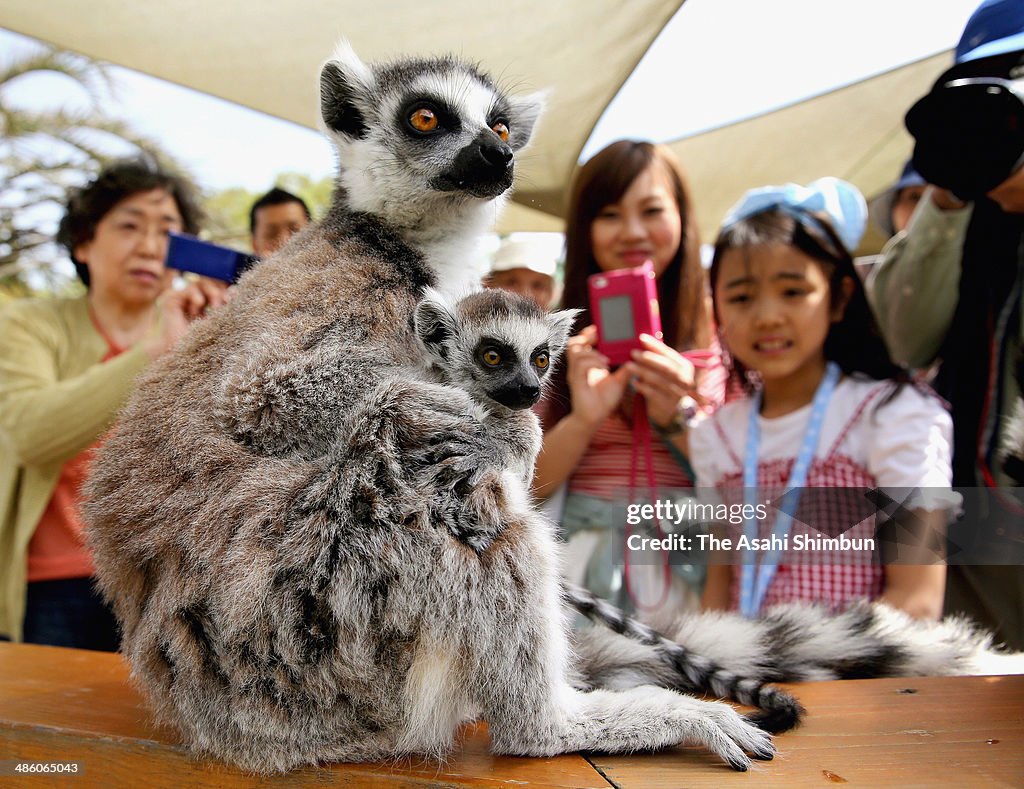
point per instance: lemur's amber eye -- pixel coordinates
(540, 361)
(501, 130)
(424, 120)
(491, 357)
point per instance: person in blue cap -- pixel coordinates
(891, 212)
(951, 291)
(892, 209)
(826, 408)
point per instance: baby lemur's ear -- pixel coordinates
(561, 329)
(524, 110)
(346, 85)
(434, 324)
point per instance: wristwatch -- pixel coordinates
(685, 411)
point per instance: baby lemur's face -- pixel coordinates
(496, 345)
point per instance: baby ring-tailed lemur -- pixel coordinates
(499, 348)
(317, 552)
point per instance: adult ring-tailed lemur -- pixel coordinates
(317, 551)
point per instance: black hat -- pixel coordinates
(969, 134)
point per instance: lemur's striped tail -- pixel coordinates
(688, 671)
(734, 657)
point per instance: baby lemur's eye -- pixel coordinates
(540, 361)
(424, 119)
(501, 129)
(491, 357)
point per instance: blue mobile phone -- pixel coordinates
(186, 253)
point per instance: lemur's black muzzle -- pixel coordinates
(517, 396)
(483, 167)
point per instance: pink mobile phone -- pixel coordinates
(624, 304)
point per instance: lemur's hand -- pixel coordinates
(433, 435)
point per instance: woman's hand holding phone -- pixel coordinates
(596, 391)
(179, 308)
(664, 377)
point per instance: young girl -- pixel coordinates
(825, 408)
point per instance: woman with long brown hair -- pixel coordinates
(629, 204)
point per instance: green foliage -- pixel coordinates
(317, 194)
(227, 217)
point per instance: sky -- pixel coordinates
(736, 73)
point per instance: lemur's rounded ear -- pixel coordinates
(561, 328)
(344, 81)
(524, 111)
(434, 325)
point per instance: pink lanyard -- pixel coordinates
(642, 442)
(700, 358)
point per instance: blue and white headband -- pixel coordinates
(840, 201)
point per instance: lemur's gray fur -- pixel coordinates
(289, 593)
(316, 551)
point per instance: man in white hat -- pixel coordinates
(526, 263)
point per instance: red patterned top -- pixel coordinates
(604, 470)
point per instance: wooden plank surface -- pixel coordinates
(951, 731)
(62, 705)
(72, 705)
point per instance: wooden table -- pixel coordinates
(62, 704)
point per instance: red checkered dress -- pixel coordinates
(834, 578)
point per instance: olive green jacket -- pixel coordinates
(915, 284)
(56, 399)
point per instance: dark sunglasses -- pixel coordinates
(969, 134)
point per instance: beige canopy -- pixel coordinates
(267, 55)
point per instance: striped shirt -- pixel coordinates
(604, 469)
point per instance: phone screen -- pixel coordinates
(617, 319)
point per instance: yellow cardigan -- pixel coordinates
(56, 399)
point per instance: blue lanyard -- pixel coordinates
(754, 587)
